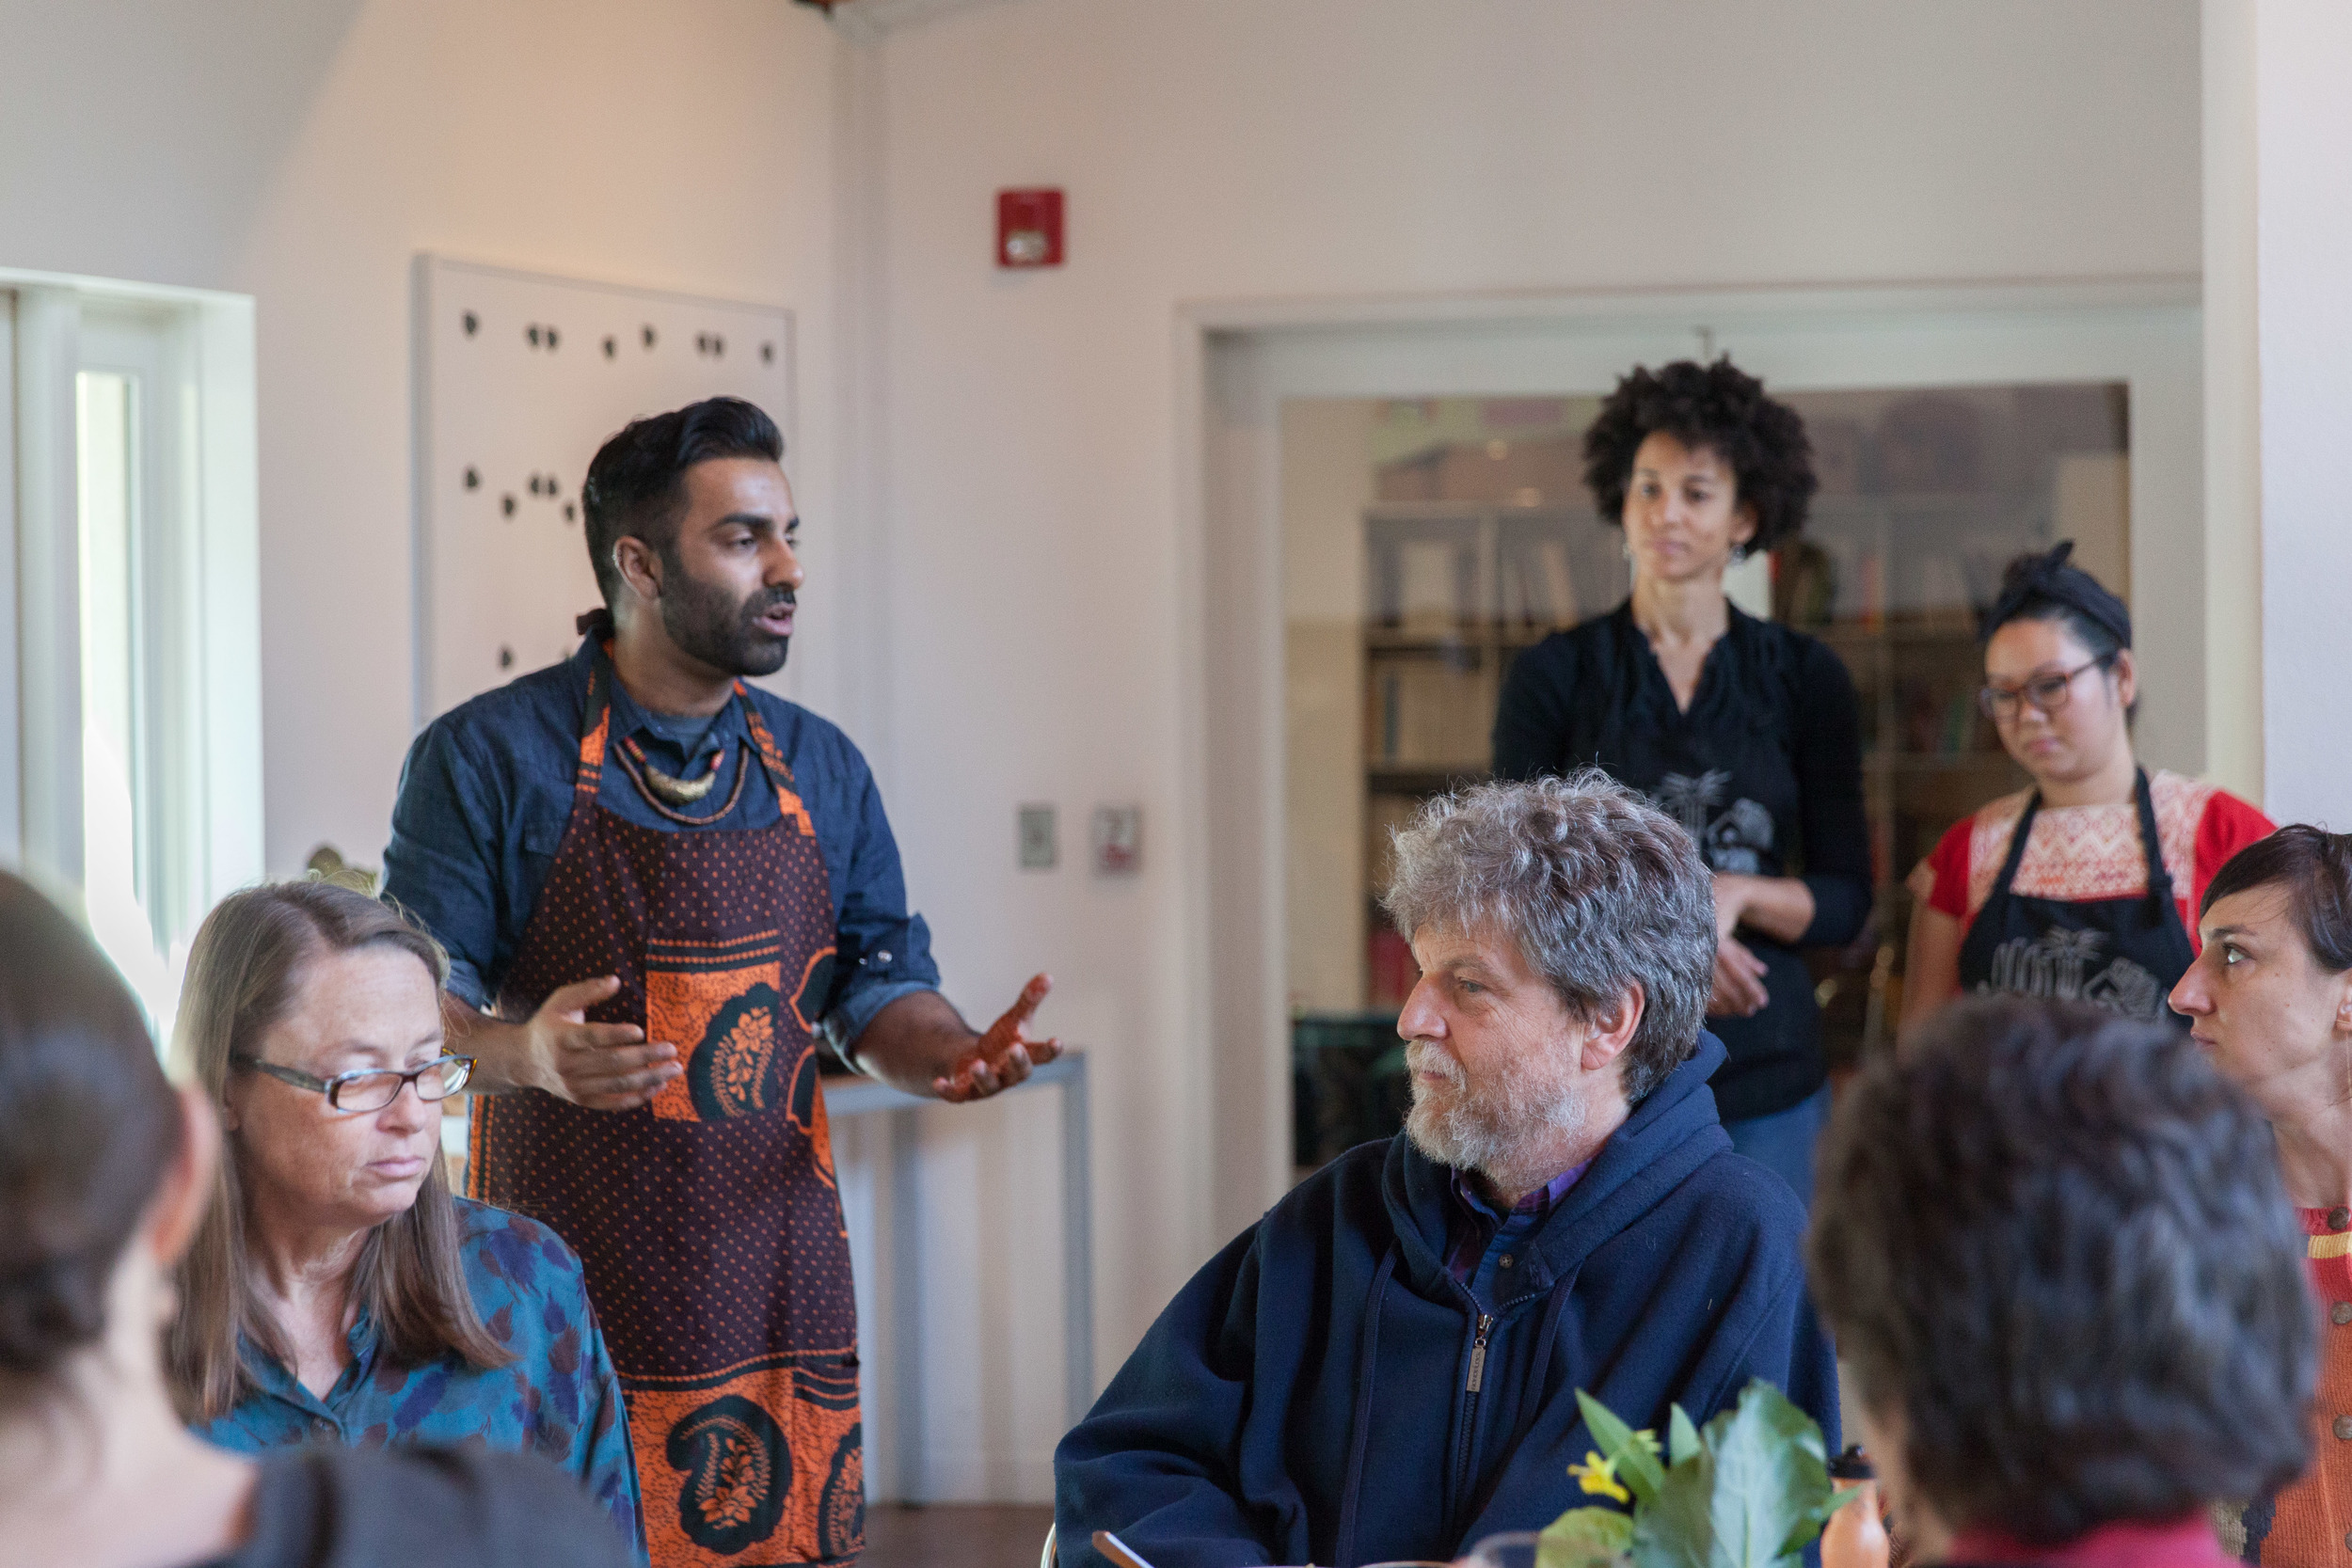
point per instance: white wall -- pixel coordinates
(1018, 433)
(1042, 637)
(2302, 233)
(305, 153)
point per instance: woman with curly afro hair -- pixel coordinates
(1744, 731)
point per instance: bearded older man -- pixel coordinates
(1385, 1365)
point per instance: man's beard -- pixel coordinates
(1494, 1128)
(708, 625)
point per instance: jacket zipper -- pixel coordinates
(1470, 1410)
(1478, 1354)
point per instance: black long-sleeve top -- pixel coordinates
(1764, 771)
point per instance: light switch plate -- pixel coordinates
(1118, 840)
(1041, 844)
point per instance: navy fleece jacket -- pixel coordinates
(1309, 1397)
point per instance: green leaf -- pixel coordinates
(1674, 1528)
(1838, 1497)
(1637, 1467)
(1682, 1438)
(1585, 1538)
(1770, 1479)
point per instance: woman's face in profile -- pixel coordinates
(1682, 515)
(2261, 1006)
(304, 1161)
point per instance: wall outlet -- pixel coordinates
(1041, 843)
(1118, 840)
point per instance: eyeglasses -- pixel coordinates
(2048, 693)
(373, 1089)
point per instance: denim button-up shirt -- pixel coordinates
(558, 1398)
(488, 788)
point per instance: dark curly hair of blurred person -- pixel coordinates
(1719, 407)
(88, 1125)
(2053, 1244)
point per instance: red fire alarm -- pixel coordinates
(1028, 228)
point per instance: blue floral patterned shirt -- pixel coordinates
(559, 1398)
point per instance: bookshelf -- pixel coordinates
(1457, 556)
(1455, 592)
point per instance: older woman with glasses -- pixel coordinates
(335, 1291)
(2082, 887)
(105, 1173)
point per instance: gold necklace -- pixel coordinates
(676, 791)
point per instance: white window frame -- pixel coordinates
(198, 561)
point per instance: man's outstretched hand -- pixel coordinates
(1004, 1055)
(604, 1067)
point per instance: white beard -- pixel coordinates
(1494, 1131)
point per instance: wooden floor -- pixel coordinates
(954, 1535)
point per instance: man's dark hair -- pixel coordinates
(2054, 1243)
(1721, 408)
(2315, 868)
(637, 484)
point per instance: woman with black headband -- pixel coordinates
(2082, 886)
(1744, 731)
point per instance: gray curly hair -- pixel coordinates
(1599, 888)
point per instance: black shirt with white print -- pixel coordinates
(1764, 771)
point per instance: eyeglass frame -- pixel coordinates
(1989, 698)
(332, 1087)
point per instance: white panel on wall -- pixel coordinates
(519, 379)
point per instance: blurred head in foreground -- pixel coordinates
(103, 1167)
(103, 1176)
(2054, 1251)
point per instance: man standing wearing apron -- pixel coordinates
(657, 886)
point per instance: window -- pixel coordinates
(137, 739)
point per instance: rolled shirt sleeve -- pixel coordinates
(441, 866)
(884, 952)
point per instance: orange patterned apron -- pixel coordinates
(708, 1222)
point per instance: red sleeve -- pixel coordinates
(2228, 826)
(1949, 862)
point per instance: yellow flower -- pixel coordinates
(1598, 1477)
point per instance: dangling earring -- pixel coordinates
(1739, 554)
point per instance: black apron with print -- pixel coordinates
(707, 1222)
(2124, 954)
(1726, 771)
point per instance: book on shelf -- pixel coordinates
(1538, 587)
(1390, 972)
(1430, 586)
(1384, 815)
(1427, 714)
